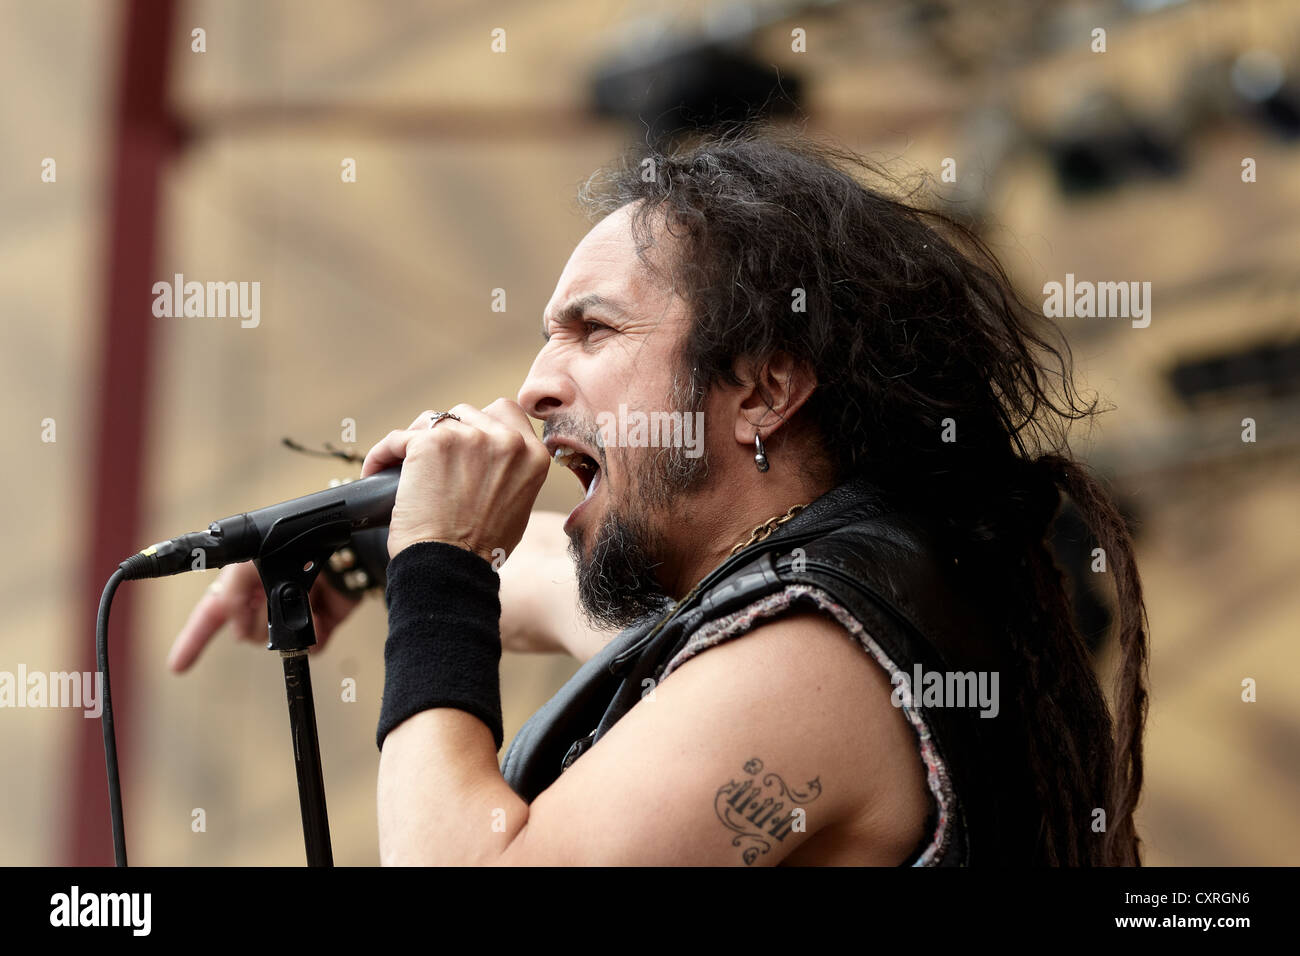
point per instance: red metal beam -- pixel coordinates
(119, 404)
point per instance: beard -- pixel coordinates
(617, 584)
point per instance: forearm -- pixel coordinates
(537, 575)
(440, 723)
(441, 797)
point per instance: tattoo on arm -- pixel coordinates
(761, 810)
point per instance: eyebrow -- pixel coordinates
(575, 309)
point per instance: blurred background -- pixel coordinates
(1162, 149)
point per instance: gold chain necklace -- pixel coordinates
(758, 534)
(767, 527)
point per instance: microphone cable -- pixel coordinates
(106, 718)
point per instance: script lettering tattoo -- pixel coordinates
(760, 808)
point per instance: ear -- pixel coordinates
(773, 392)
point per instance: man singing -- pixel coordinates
(829, 630)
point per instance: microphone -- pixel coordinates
(354, 506)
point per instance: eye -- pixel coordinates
(591, 327)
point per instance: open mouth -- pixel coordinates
(582, 465)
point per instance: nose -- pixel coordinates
(547, 388)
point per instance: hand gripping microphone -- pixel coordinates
(349, 508)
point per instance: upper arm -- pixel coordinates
(741, 755)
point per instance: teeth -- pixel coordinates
(569, 457)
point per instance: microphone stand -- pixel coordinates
(287, 571)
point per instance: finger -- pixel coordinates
(249, 624)
(387, 452)
(246, 601)
(511, 415)
(209, 614)
(520, 443)
(497, 420)
(392, 448)
(422, 420)
(469, 415)
(204, 621)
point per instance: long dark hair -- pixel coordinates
(939, 384)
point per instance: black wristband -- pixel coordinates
(444, 636)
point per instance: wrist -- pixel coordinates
(397, 546)
(444, 645)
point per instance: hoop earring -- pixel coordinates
(760, 453)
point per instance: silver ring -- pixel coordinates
(439, 416)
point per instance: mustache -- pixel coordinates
(567, 425)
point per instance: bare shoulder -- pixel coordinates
(827, 704)
(779, 746)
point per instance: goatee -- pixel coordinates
(616, 582)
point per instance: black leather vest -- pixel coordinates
(879, 566)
